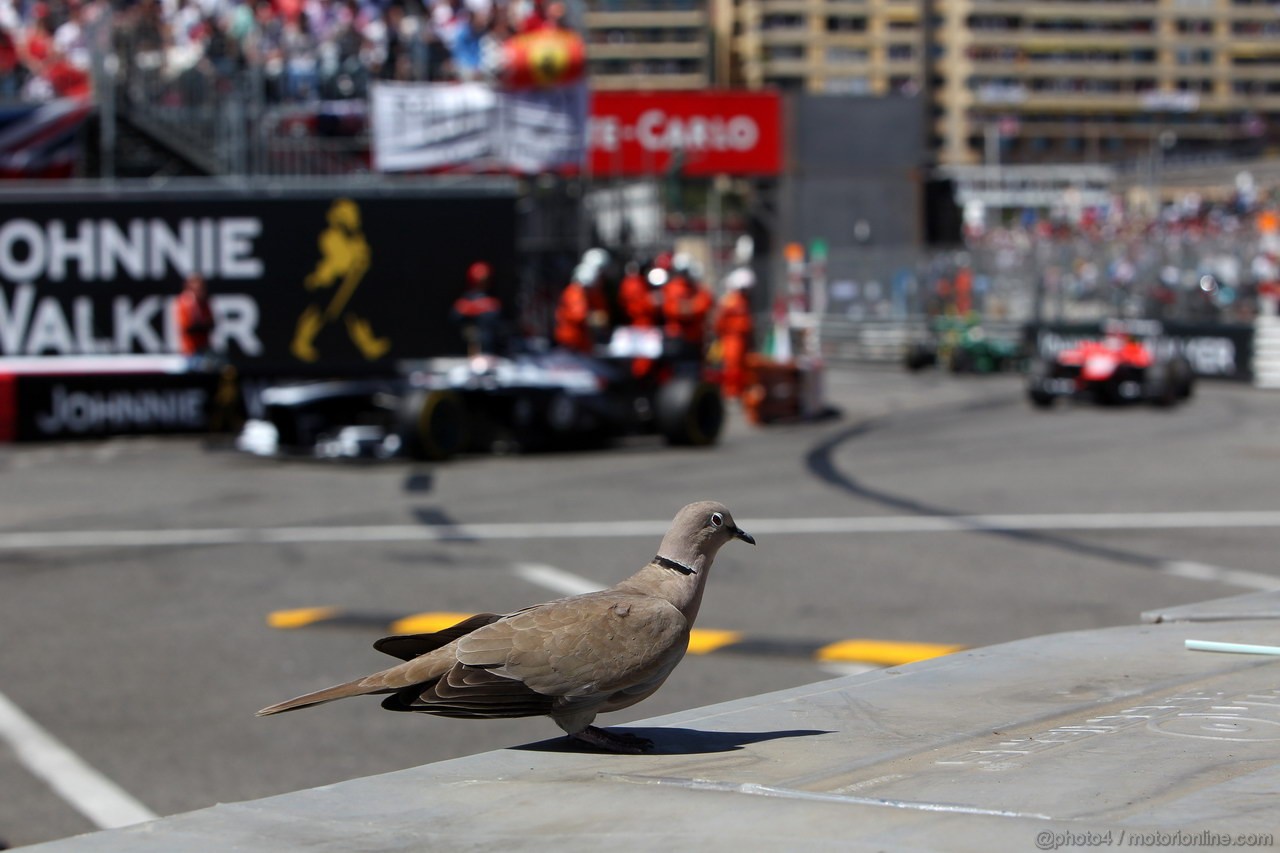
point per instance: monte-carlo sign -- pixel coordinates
(712, 132)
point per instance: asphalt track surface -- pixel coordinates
(138, 577)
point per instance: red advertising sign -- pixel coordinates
(732, 133)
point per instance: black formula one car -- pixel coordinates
(532, 401)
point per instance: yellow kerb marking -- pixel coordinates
(883, 652)
(299, 618)
(427, 623)
(704, 640)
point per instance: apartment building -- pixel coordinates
(848, 47)
(651, 45)
(1067, 80)
(1009, 81)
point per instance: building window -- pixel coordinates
(1196, 56)
(786, 84)
(847, 86)
(784, 52)
(994, 23)
(782, 22)
(1254, 29)
(1202, 86)
(846, 24)
(840, 54)
(1136, 26)
(1195, 26)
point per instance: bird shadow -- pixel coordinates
(673, 741)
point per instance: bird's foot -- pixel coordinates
(628, 744)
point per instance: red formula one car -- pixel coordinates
(1120, 368)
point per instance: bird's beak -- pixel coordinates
(739, 533)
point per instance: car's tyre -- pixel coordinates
(689, 412)
(1040, 398)
(1159, 387)
(1037, 376)
(961, 361)
(918, 357)
(1182, 377)
(433, 424)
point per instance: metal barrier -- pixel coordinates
(845, 341)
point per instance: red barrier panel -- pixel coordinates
(8, 408)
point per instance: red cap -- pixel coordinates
(478, 272)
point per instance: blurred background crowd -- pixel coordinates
(305, 50)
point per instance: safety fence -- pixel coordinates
(1019, 277)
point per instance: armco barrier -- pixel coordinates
(1222, 351)
(47, 399)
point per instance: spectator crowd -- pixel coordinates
(1194, 259)
(301, 50)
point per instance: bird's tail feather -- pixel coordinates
(359, 687)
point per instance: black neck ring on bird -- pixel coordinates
(668, 563)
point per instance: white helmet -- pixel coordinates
(596, 257)
(740, 279)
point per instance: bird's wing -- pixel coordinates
(588, 645)
(466, 691)
(550, 658)
(410, 646)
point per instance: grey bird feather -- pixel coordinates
(569, 659)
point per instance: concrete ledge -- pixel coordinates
(1119, 730)
(1264, 605)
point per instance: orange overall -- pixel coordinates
(685, 306)
(573, 316)
(637, 301)
(733, 327)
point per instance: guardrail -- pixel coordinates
(887, 341)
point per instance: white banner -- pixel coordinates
(423, 126)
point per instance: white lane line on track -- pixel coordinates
(556, 580)
(20, 541)
(1220, 574)
(840, 670)
(95, 796)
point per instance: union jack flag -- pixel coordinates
(41, 140)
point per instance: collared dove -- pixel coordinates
(568, 659)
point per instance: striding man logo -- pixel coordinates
(344, 260)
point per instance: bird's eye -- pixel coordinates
(717, 519)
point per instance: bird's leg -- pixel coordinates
(604, 739)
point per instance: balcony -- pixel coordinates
(788, 36)
(787, 67)
(1062, 40)
(795, 7)
(604, 20)
(1058, 68)
(648, 50)
(649, 82)
(606, 7)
